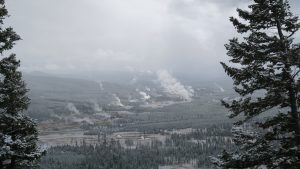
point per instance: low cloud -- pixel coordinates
(178, 35)
(185, 36)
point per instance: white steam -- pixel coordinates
(101, 86)
(172, 86)
(219, 87)
(72, 108)
(148, 89)
(96, 107)
(117, 101)
(144, 95)
(133, 80)
(82, 120)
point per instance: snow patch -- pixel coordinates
(103, 114)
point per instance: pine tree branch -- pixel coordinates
(296, 74)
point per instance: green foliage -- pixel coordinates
(265, 61)
(7, 35)
(18, 133)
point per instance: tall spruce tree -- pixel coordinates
(265, 67)
(18, 133)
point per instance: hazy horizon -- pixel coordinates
(184, 37)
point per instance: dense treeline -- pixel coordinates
(194, 147)
(265, 58)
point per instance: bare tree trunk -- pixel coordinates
(12, 163)
(292, 92)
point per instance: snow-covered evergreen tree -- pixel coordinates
(265, 67)
(18, 133)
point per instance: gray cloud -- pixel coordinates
(97, 35)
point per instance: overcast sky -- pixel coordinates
(181, 36)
